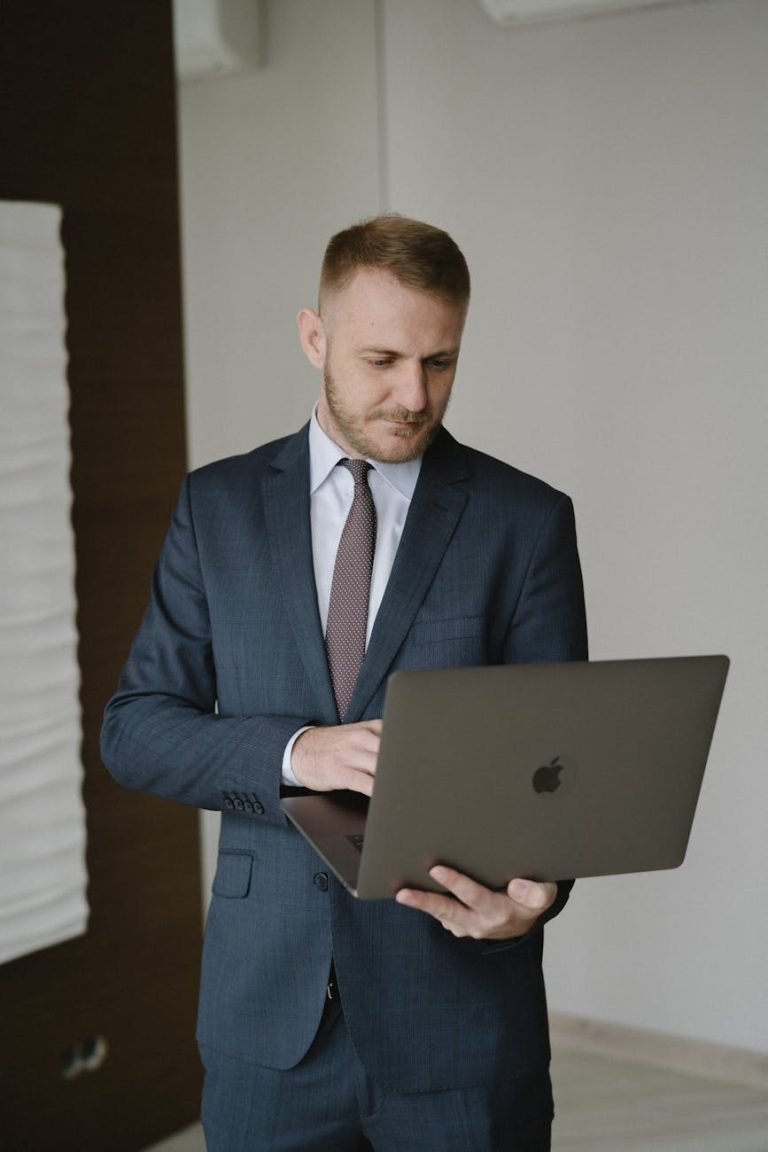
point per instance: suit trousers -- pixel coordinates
(327, 1103)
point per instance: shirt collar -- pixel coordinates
(324, 455)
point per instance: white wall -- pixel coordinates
(607, 181)
(272, 163)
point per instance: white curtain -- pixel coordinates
(42, 819)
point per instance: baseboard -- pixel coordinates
(695, 1057)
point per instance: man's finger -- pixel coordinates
(443, 908)
(531, 894)
(468, 891)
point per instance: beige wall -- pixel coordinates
(607, 181)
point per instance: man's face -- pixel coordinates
(388, 354)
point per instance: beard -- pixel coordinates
(371, 435)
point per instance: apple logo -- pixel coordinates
(547, 777)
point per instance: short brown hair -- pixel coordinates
(415, 253)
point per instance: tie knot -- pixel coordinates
(358, 468)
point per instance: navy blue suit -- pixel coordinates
(229, 662)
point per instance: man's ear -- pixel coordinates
(313, 337)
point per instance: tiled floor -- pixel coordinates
(607, 1105)
(190, 1140)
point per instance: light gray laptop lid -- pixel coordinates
(548, 771)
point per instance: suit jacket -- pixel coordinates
(230, 661)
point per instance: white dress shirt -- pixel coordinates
(331, 490)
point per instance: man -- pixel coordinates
(431, 1030)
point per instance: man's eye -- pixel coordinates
(382, 363)
(439, 364)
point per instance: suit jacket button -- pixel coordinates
(321, 880)
(239, 805)
(248, 806)
(258, 807)
(228, 802)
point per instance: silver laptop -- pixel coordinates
(545, 771)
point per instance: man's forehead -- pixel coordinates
(377, 292)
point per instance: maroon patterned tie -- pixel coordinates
(350, 589)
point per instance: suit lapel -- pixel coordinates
(285, 495)
(437, 505)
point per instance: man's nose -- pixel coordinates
(411, 390)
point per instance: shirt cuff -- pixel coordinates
(287, 775)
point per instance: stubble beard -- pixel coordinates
(393, 446)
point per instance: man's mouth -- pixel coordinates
(407, 421)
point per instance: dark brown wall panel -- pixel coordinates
(87, 121)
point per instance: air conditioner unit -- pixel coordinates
(511, 12)
(214, 37)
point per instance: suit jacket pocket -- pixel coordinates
(233, 875)
(439, 631)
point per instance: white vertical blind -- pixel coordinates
(42, 819)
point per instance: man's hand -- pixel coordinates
(343, 756)
(479, 912)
